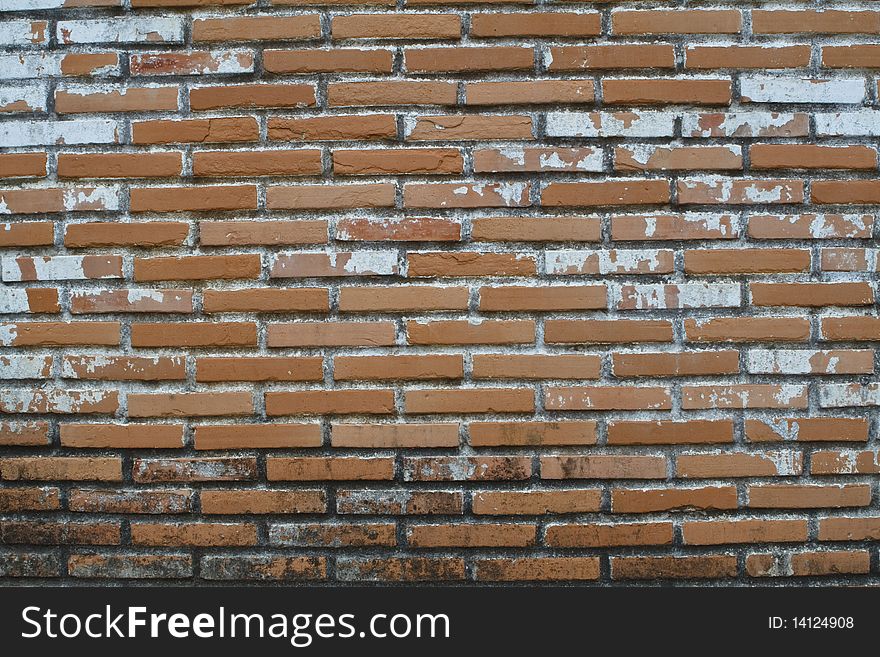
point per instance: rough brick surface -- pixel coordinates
(439, 291)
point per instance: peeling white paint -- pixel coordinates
(610, 124)
(787, 89)
(120, 30)
(15, 134)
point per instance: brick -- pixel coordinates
(674, 567)
(189, 404)
(335, 468)
(402, 299)
(536, 502)
(391, 26)
(129, 566)
(133, 501)
(473, 400)
(464, 468)
(263, 568)
(252, 96)
(536, 92)
(807, 429)
(468, 128)
(196, 62)
(675, 364)
(259, 369)
(171, 268)
(631, 192)
(131, 301)
(386, 368)
(789, 496)
(315, 334)
(194, 199)
(543, 24)
(333, 128)
(471, 536)
(262, 233)
(691, 226)
(606, 398)
(535, 229)
(600, 57)
(715, 189)
(523, 434)
(193, 534)
(200, 334)
(487, 331)
(330, 402)
(332, 536)
(400, 569)
(721, 532)
(669, 432)
(217, 501)
(256, 163)
(251, 436)
(653, 500)
(266, 300)
(195, 131)
(452, 60)
(695, 21)
(723, 465)
(680, 91)
(605, 535)
(810, 226)
(356, 501)
(78, 100)
(404, 229)
(397, 161)
(29, 334)
(765, 21)
(143, 234)
(398, 92)
(394, 435)
(603, 467)
(123, 368)
(601, 331)
(340, 60)
(744, 396)
(329, 197)
(753, 329)
(747, 57)
(61, 468)
(125, 436)
(535, 366)
(257, 28)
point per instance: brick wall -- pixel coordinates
(313, 292)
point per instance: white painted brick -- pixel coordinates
(23, 33)
(20, 366)
(784, 89)
(659, 296)
(13, 300)
(610, 124)
(33, 95)
(25, 5)
(48, 268)
(615, 261)
(38, 65)
(789, 361)
(733, 124)
(838, 395)
(864, 123)
(15, 134)
(153, 29)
